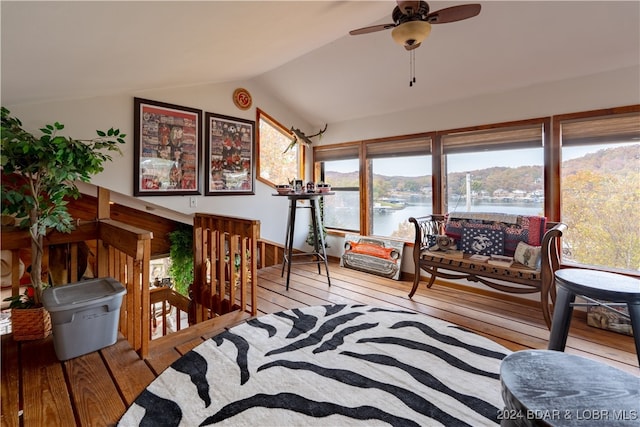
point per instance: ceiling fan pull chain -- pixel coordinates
(412, 67)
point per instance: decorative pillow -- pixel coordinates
(455, 227)
(528, 229)
(528, 255)
(482, 241)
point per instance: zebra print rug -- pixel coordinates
(331, 365)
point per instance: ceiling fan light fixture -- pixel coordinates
(411, 33)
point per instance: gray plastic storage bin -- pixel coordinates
(84, 315)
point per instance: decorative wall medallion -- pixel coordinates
(242, 98)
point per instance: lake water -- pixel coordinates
(385, 223)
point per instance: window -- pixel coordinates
(399, 186)
(586, 174)
(340, 167)
(499, 169)
(379, 197)
(342, 211)
(278, 161)
(600, 189)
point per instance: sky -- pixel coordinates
(421, 165)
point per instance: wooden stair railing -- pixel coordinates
(123, 252)
(168, 304)
(127, 259)
(225, 265)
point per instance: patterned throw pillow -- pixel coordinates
(528, 255)
(482, 241)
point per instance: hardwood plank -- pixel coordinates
(9, 381)
(160, 360)
(265, 306)
(189, 345)
(216, 324)
(95, 396)
(46, 400)
(166, 350)
(213, 327)
(129, 372)
(318, 289)
(277, 300)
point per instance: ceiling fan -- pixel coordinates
(412, 21)
(412, 24)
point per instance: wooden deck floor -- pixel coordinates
(511, 321)
(96, 389)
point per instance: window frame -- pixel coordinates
(342, 151)
(367, 150)
(496, 136)
(553, 160)
(556, 161)
(301, 155)
(552, 152)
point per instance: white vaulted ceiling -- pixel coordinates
(300, 51)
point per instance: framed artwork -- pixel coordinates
(230, 148)
(168, 143)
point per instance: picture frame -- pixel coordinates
(230, 150)
(167, 147)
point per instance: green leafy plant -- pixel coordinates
(26, 300)
(40, 172)
(311, 237)
(181, 253)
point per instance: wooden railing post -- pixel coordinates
(144, 251)
(129, 256)
(199, 268)
(103, 210)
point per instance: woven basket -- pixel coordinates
(30, 323)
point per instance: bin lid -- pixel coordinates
(94, 291)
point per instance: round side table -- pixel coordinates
(616, 288)
(552, 388)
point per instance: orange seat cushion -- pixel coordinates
(371, 249)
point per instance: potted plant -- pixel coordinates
(38, 175)
(181, 254)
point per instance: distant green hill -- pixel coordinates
(526, 178)
(616, 161)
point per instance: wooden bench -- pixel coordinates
(517, 278)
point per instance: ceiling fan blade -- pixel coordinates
(371, 29)
(454, 13)
(411, 47)
(408, 7)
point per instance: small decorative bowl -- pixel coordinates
(323, 188)
(283, 188)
